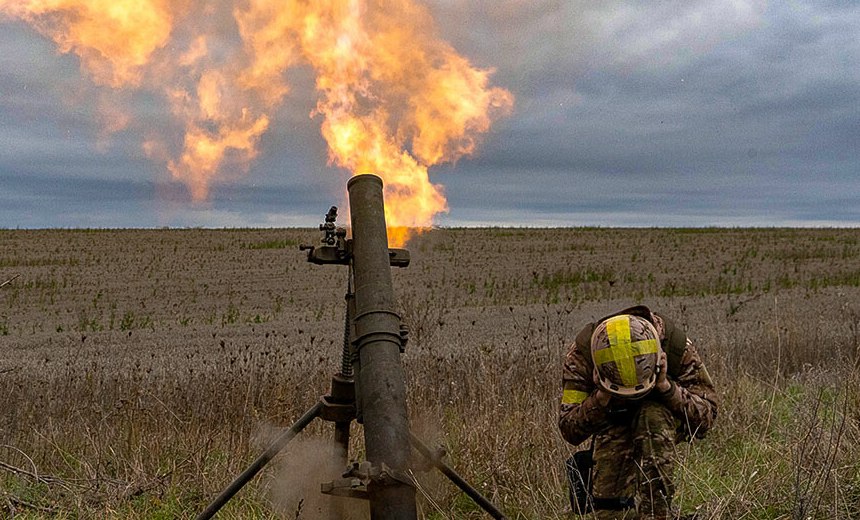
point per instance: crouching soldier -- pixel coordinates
(634, 383)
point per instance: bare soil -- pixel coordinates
(143, 369)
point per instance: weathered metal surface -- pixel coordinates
(382, 396)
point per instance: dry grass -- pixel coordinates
(140, 371)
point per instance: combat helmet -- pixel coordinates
(624, 349)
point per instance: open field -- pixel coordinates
(141, 370)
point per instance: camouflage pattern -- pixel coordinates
(635, 459)
(634, 444)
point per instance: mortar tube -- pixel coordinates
(381, 383)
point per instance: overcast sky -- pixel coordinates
(627, 113)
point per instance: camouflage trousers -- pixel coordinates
(635, 457)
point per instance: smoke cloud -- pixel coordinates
(305, 464)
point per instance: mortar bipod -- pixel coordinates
(339, 407)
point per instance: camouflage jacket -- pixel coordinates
(692, 400)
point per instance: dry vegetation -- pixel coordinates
(140, 371)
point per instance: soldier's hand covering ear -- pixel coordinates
(601, 396)
(663, 385)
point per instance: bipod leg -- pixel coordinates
(279, 444)
(453, 476)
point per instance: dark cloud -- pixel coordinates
(730, 130)
(68, 201)
(681, 113)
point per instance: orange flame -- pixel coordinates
(114, 39)
(394, 98)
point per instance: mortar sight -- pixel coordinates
(335, 248)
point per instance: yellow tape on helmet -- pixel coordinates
(622, 350)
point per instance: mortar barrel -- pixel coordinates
(381, 383)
